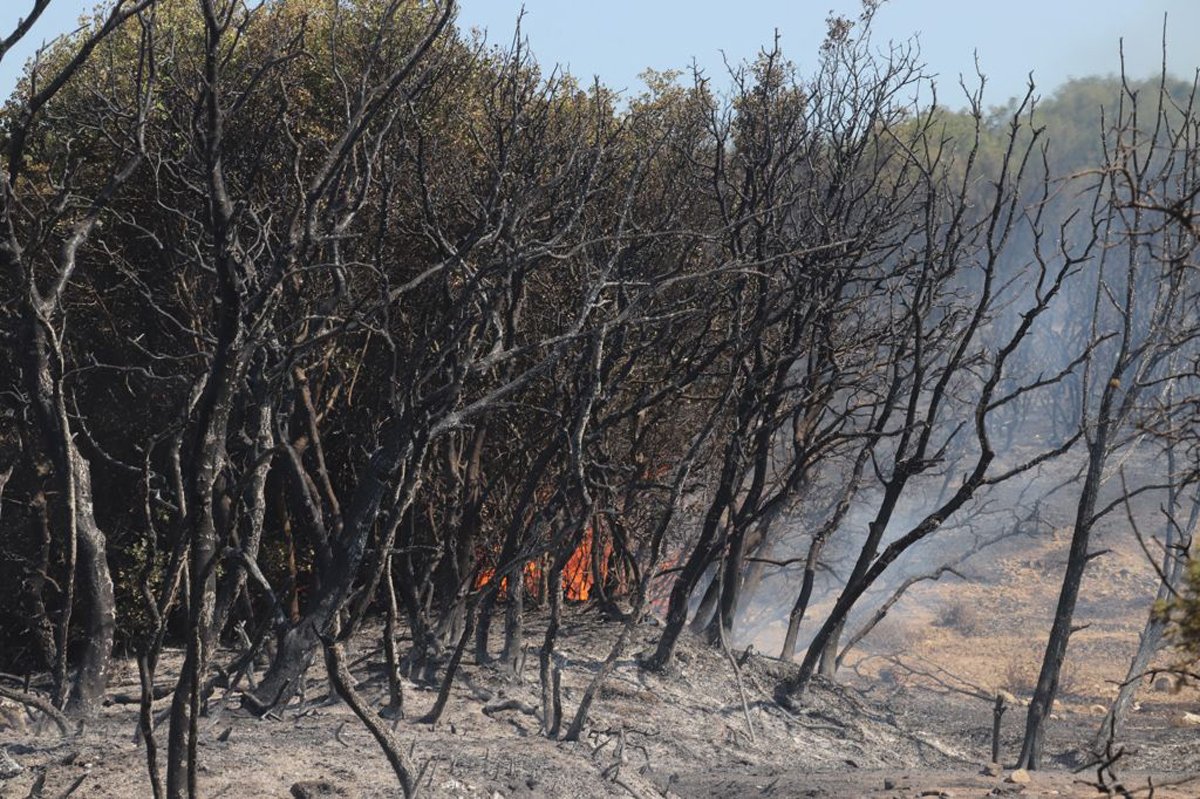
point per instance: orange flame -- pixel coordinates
(578, 577)
(532, 573)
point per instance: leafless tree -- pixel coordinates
(946, 372)
(1142, 314)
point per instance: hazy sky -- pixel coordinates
(617, 39)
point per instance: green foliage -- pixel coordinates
(1182, 615)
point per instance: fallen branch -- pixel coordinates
(73, 787)
(509, 704)
(37, 703)
(883, 609)
(128, 698)
(737, 676)
(971, 690)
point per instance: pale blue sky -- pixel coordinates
(617, 39)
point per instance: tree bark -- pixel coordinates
(298, 645)
(800, 608)
(551, 700)
(1060, 631)
(255, 500)
(75, 512)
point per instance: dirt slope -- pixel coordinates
(907, 719)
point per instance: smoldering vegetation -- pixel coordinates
(320, 314)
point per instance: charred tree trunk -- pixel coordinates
(699, 558)
(395, 705)
(73, 510)
(43, 628)
(459, 562)
(547, 671)
(826, 639)
(254, 500)
(730, 590)
(703, 616)
(203, 472)
(514, 621)
(800, 608)
(439, 705)
(1064, 613)
(522, 511)
(343, 683)
(677, 608)
(815, 547)
(829, 659)
(1150, 640)
(300, 642)
(758, 549)
(856, 585)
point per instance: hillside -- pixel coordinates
(900, 723)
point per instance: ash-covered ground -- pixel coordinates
(887, 729)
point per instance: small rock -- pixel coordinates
(1019, 777)
(9, 767)
(1189, 718)
(889, 784)
(316, 789)
(1162, 685)
(943, 794)
(993, 769)
(1098, 710)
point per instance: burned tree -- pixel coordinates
(325, 311)
(809, 192)
(47, 217)
(950, 354)
(1142, 317)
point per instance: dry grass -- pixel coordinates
(962, 616)
(1021, 675)
(893, 636)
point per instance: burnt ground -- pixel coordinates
(907, 718)
(881, 732)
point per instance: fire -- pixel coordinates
(533, 578)
(578, 577)
(484, 577)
